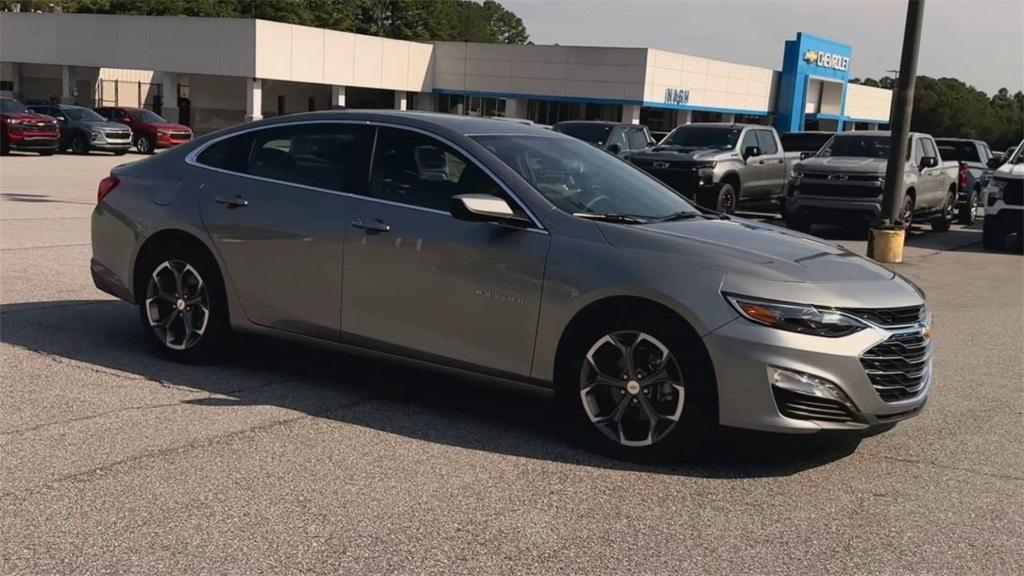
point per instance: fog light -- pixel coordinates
(808, 385)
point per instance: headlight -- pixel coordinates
(995, 189)
(159, 133)
(13, 122)
(801, 318)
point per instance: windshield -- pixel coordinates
(1018, 157)
(146, 116)
(593, 133)
(857, 147)
(959, 151)
(82, 114)
(703, 137)
(803, 142)
(578, 178)
(8, 106)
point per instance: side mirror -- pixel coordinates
(485, 208)
(994, 162)
(929, 162)
(615, 148)
(806, 155)
(751, 151)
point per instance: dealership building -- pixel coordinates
(215, 72)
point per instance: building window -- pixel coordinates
(280, 105)
(7, 85)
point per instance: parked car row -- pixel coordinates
(1004, 200)
(809, 177)
(48, 128)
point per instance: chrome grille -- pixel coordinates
(899, 367)
(118, 135)
(888, 317)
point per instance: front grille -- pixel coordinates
(844, 190)
(801, 407)
(1013, 192)
(899, 367)
(180, 135)
(118, 135)
(679, 176)
(889, 317)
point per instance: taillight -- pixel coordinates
(961, 177)
(107, 186)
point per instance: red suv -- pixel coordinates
(26, 130)
(149, 130)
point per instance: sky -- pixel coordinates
(978, 41)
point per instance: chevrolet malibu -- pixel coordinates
(516, 253)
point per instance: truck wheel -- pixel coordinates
(992, 235)
(79, 145)
(799, 222)
(724, 201)
(144, 144)
(942, 222)
(967, 215)
(907, 213)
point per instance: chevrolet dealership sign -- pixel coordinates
(827, 60)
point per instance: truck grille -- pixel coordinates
(801, 407)
(845, 190)
(679, 176)
(889, 317)
(899, 367)
(1013, 192)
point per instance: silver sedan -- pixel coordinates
(517, 253)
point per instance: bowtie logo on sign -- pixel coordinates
(827, 60)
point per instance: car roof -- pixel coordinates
(724, 125)
(595, 122)
(975, 140)
(465, 125)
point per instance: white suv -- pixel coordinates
(1004, 207)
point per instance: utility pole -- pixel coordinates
(887, 235)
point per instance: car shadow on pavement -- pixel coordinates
(26, 197)
(419, 403)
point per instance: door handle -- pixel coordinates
(371, 227)
(781, 160)
(236, 202)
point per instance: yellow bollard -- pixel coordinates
(886, 245)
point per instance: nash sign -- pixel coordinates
(677, 96)
(827, 60)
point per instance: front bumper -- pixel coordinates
(742, 353)
(823, 207)
(33, 141)
(1009, 217)
(167, 141)
(100, 141)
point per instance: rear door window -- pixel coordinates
(331, 156)
(637, 139)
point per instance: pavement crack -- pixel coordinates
(92, 473)
(1001, 476)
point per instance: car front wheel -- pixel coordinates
(640, 391)
(145, 144)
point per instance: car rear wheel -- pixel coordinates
(183, 308)
(942, 222)
(907, 212)
(145, 144)
(639, 391)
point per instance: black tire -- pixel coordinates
(79, 144)
(907, 212)
(4, 149)
(144, 144)
(799, 222)
(944, 219)
(214, 324)
(723, 200)
(967, 215)
(697, 422)
(993, 237)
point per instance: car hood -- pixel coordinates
(1011, 171)
(846, 164)
(768, 261)
(105, 125)
(671, 153)
(29, 117)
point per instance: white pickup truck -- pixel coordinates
(1004, 207)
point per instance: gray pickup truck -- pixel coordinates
(845, 179)
(720, 165)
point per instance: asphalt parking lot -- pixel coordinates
(289, 459)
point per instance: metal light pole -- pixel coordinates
(886, 242)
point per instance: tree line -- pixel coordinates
(950, 108)
(455, 20)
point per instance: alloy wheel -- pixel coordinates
(632, 388)
(177, 304)
(727, 203)
(907, 215)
